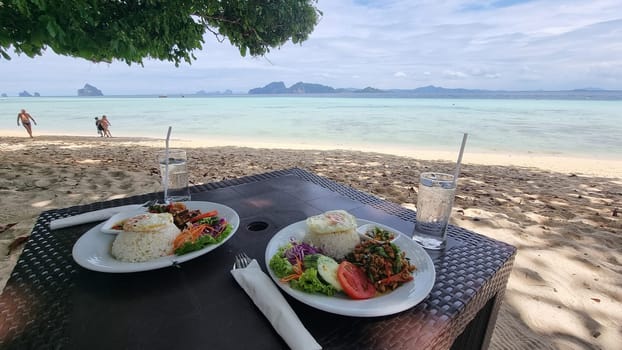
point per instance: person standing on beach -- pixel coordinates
(106, 124)
(25, 118)
(100, 128)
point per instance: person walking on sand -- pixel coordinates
(106, 124)
(100, 128)
(25, 118)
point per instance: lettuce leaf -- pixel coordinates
(280, 266)
(309, 282)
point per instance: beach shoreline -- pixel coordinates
(602, 166)
(563, 215)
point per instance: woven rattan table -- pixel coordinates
(50, 302)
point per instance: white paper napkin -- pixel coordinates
(97, 215)
(274, 306)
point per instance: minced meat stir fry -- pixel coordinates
(386, 265)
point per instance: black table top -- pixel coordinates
(51, 302)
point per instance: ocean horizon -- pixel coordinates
(567, 127)
(431, 91)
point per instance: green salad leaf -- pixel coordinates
(309, 282)
(280, 265)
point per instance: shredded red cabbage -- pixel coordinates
(216, 228)
(299, 250)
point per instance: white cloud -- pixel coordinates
(451, 74)
(540, 44)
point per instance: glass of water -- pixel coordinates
(434, 202)
(174, 172)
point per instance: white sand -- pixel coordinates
(564, 291)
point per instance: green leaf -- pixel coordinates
(167, 30)
(51, 28)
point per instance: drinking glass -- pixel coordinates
(175, 181)
(434, 202)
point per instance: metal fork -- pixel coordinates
(241, 261)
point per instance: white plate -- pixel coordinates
(92, 250)
(403, 298)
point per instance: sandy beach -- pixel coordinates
(564, 214)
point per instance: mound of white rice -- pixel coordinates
(335, 245)
(334, 232)
(143, 245)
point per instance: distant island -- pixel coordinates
(298, 88)
(205, 93)
(28, 94)
(279, 87)
(89, 90)
(430, 91)
(436, 92)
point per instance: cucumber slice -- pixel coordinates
(327, 268)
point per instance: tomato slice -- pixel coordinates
(354, 282)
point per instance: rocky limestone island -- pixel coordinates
(278, 87)
(298, 88)
(27, 94)
(89, 90)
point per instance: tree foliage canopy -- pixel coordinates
(126, 30)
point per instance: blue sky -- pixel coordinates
(502, 44)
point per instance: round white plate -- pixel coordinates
(92, 250)
(404, 297)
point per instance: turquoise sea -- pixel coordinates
(562, 127)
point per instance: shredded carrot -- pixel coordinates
(204, 215)
(195, 231)
(181, 239)
(190, 234)
(297, 272)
